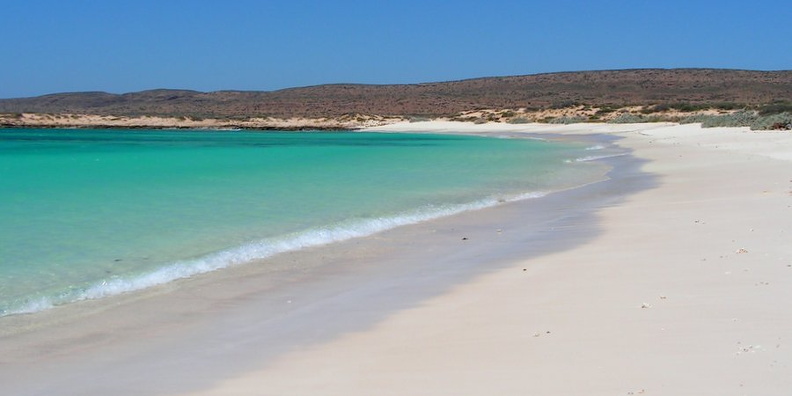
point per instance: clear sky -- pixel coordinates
(122, 46)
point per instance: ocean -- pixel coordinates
(86, 214)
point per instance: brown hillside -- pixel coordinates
(617, 87)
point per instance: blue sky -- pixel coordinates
(122, 46)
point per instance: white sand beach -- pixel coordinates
(687, 291)
(679, 285)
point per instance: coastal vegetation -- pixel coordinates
(743, 118)
(713, 97)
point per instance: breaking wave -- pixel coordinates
(251, 251)
(595, 157)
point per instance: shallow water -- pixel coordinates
(90, 213)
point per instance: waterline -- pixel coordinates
(91, 214)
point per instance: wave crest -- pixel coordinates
(253, 251)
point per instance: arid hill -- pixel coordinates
(540, 91)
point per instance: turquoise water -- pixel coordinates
(90, 213)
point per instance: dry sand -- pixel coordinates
(688, 291)
(674, 280)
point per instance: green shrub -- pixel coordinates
(781, 121)
(627, 118)
(604, 110)
(695, 119)
(727, 106)
(736, 119)
(661, 107)
(563, 104)
(744, 118)
(659, 118)
(775, 108)
(519, 120)
(687, 107)
(567, 120)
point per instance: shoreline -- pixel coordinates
(362, 225)
(325, 272)
(603, 286)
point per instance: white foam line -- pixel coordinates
(595, 157)
(255, 251)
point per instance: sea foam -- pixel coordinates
(595, 157)
(253, 251)
(595, 147)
